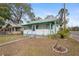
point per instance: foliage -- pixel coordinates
(19, 10)
(63, 33)
(61, 13)
(49, 17)
(4, 12)
(1, 22)
(15, 11)
(37, 18)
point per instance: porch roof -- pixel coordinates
(12, 25)
(41, 21)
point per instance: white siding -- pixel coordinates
(41, 31)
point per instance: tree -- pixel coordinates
(1, 22)
(49, 17)
(37, 18)
(63, 32)
(61, 16)
(4, 13)
(32, 16)
(18, 10)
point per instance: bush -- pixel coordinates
(63, 33)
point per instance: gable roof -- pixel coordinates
(11, 24)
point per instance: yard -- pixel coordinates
(36, 46)
(7, 38)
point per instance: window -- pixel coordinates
(47, 26)
(36, 26)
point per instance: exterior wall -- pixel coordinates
(42, 30)
(13, 30)
(37, 32)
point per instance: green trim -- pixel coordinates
(40, 22)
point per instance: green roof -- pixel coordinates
(41, 21)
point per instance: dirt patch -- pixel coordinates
(38, 47)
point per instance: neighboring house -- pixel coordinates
(11, 28)
(41, 27)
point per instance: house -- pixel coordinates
(11, 28)
(41, 27)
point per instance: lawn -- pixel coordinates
(38, 47)
(7, 38)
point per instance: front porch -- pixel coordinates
(9, 29)
(43, 29)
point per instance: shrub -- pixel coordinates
(63, 33)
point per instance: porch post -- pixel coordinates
(8, 29)
(55, 27)
(35, 27)
(11, 29)
(35, 31)
(50, 28)
(14, 29)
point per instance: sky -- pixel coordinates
(44, 9)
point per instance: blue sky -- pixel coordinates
(44, 9)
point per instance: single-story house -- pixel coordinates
(41, 27)
(10, 28)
